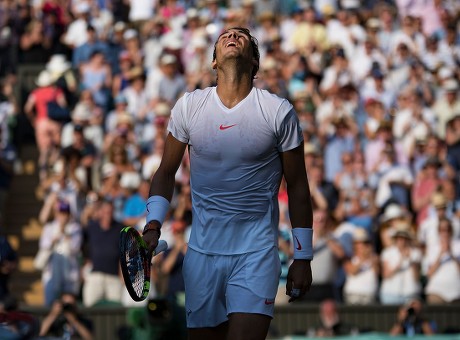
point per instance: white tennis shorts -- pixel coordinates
(218, 285)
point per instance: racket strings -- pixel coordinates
(135, 265)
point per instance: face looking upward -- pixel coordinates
(236, 43)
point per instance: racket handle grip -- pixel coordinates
(162, 246)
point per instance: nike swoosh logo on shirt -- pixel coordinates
(225, 127)
(299, 246)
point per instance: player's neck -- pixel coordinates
(233, 86)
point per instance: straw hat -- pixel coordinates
(309, 149)
(392, 211)
(44, 79)
(130, 180)
(162, 110)
(57, 65)
(130, 33)
(439, 200)
(402, 229)
(450, 85)
(108, 170)
(269, 64)
(137, 72)
(124, 118)
(168, 59)
(361, 235)
(81, 112)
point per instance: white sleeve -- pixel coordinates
(178, 123)
(288, 132)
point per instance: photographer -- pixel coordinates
(65, 322)
(410, 320)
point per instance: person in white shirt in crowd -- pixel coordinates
(400, 268)
(81, 116)
(76, 34)
(62, 239)
(442, 266)
(362, 271)
(336, 75)
(434, 58)
(367, 58)
(141, 10)
(328, 254)
(417, 120)
(449, 46)
(392, 215)
(428, 232)
(407, 34)
(447, 106)
(137, 96)
(339, 31)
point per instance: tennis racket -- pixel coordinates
(135, 262)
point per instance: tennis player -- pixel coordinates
(241, 141)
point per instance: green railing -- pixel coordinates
(289, 320)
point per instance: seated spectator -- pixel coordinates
(82, 115)
(428, 234)
(442, 264)
(356, 207)
(151, 162)
(330, 323)
(113, 116)
(111, 190)
(96, 76)
(62, 238)
(171, 262)
(136, 193)
(102, 234)
(121, 146)
(348, 180)
(392, 215)
(66, 182)
(394, 179)
(328, 253)
(362, 271)
(446, 106)
(410, 320)
(64, 321)
(88, 155)
(341, 141)
(400, 268)
(425, 185)
(324, 193)
(137, 97)
(121, 78)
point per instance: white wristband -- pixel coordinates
(303, 248)
(157, 208)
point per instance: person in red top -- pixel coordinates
(47, 131)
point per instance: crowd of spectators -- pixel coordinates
(376, 88)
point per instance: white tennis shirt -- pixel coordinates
(235, 167)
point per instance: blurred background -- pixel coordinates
(86, 92)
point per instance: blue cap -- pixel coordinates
(120, 99)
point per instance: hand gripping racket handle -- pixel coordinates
(162, 246)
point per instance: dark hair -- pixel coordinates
(254, 44)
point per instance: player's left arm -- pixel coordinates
(301, 215)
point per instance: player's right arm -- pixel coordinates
(162, 188)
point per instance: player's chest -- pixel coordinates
(239, 134)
